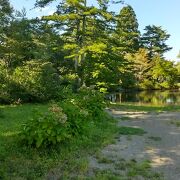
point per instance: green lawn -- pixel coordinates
(65, 161)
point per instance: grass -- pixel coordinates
(107, 175)
(142, 169)
(155, 138)
(175, 122)
(128, 170)
(144, 107)
(68, 160)
(125, 118)
(124, 130)
(64, 161)
(103, 159)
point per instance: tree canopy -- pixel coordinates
(82, 45)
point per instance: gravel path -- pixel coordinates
(160, 144)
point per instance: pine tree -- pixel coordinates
(5, 18)
(127, 30)
(84, 30)
(5, 13)
(154, 39)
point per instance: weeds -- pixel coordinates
(154, 138)
(124, 130)
(175, 122)
(64, 161)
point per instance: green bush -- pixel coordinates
(4, 95)
(77, 117)
(92, 101)
(35, 81)
(146, 84)
(86, 99)
(61, 122)
(46, 129)
(165, 85)
(66, 119)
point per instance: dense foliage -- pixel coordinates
(46, 129)
(79, 45)
(28, 83)
(67, 61)
(64, 120)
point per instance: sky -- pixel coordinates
(162, 13)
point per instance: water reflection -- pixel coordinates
(149, 97)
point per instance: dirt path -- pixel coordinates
(160, 145)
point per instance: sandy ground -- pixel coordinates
(160, 145)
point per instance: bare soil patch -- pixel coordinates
(160, 146)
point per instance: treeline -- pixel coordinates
(79, 45)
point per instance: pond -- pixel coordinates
(155, 97)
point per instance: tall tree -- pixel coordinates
(84, 30)
(127, 30)
(177, 66)
(154, 39)
(5, 12)
(141, 64)
(5, 18)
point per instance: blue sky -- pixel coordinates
(158, 12)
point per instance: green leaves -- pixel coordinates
(82, 44)
(63, 121)
(56, 17)
(97, 48)
(5, 13)
(154, 40)
(127, 30)
(46, 129)
(43, 3)
(29, 81)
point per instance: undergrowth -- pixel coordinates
(63, 160)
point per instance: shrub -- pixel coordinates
(60, 123)
(77, 117)
(35, 81)
(146, 84)
(165, 85)
(4, 95)
(46, 129)
(92, 101)
(86, 100)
